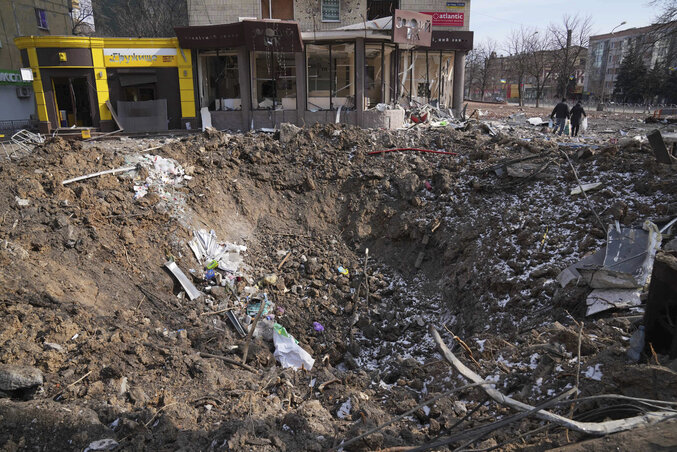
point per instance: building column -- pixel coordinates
(459, 82)
(38, 89)
(243, 66)
(301, 91)
(186, 87)
(359, 80)
(106, 123)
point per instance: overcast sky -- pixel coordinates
(495, 18)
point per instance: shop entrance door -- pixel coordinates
(71, 96)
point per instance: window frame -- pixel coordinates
(338, 9)
(41, 19)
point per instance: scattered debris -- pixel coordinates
(288, 352)
(188, 286)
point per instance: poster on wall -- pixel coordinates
(447, 19)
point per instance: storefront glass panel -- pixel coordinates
(274, 80)
(331, 76)
(343, 66)
(319, 77)
(221, 81)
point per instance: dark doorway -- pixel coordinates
(381, 8)
(73, 107)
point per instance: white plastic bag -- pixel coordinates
(584, 124)
(288, 352)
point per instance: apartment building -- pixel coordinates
(606, 53)
(25, 18)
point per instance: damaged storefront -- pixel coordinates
(261, 73)
(148, 83)
(246, 71)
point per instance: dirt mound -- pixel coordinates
(472, 241)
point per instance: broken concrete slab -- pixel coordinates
(604, 299)
(18, 378)
(630, 253)
(658, 145)
(627, 260)
(582, 270)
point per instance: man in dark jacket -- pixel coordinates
(576, 113)
(560, 113)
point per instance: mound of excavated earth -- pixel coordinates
(121, 352)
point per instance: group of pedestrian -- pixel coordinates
(561, 113)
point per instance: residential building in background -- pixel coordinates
(606, 53)
(25, 18)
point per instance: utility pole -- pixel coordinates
(566, 63)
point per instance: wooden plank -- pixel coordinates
(115, 117)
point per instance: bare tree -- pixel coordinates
(482, 66)
(518, 47)
(139, 18)
(83, 19)
(540, 63)
(472, 72)
(570, 40)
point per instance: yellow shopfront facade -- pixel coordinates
(148, 82)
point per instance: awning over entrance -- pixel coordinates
(255, 35)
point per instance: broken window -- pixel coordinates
(274, 81)
(331, 10)
(381, 8)
(41, 18)
(426, 76)
(277, 9)
(378, 63)
(221, 81)
(330, 76)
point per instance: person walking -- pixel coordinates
(561, 114)
(576, 113)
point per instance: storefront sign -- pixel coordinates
(455, 5)
(255, 35)
(272, 36)
(443, 19)
(139, 57)
(412, 28)
(11, 78)
(452, 40)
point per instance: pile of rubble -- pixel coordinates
(275, 291)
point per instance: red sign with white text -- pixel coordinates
(447, 19)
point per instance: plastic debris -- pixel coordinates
(288, 352)
(162, 172)
(317, 326)
(206, 248)
(343, 271)
(254, 306)
(188, 286)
